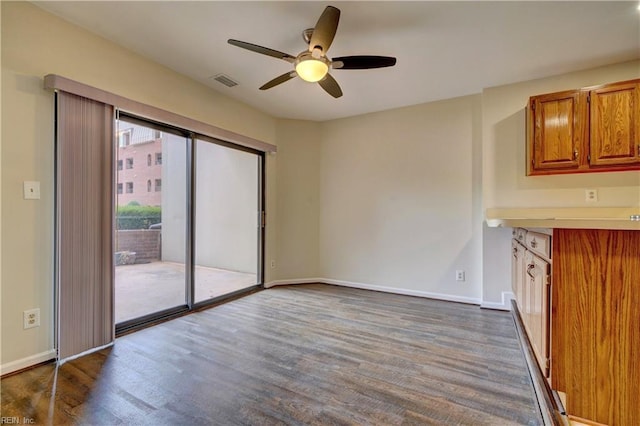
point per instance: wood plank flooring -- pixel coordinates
(309, 354)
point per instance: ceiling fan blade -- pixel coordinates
(331, 86)
(278, 80)
(325, 29)
(262, 50)
(362, 62)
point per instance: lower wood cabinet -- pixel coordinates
(517, 274)
(595, 324)
(537, 282)
(531, 277)
(580, 306)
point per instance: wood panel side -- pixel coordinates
(596, 324)
(572, 323)
(618, 337)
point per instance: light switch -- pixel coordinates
(31, 190)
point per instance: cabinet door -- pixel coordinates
(538, 275)
(558, 131)
(615, 124)
(517, 275)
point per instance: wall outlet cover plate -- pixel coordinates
(31, 190)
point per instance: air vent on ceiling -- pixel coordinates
(224, 79)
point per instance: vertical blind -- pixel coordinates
(84, 231)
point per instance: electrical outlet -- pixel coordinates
(459, 275)
(273, 264)
(591, 195)
(31, 318)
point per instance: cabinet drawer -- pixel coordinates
(539, 243)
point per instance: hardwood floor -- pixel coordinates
(307, 354)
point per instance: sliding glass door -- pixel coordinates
(188, 221)
(151, 214)
(227, 225)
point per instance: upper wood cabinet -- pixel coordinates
(559, 123)
(615, 124)
(590, 129)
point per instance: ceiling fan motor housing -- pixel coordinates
(306, 35)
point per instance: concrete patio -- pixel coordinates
(142, 289)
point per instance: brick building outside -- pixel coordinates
(139, 180)
(139, 165)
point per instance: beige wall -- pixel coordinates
(388, 201)
(298, 200)
(504, 180)
(35, 43)
(400, 205)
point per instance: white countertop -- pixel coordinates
(578, 218)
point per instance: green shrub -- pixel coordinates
(137, 217)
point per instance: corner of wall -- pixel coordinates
(295, 233)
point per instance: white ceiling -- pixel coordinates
(444, 49)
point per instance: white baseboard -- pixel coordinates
(296, 281)
(404, 291)
(394, 290)
(87, 352)
(29, 361)
(504, 306)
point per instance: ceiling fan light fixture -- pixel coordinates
(312, 64)
(311, 69)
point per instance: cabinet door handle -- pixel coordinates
(529, 269)
(575, 154)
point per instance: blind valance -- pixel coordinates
(56, 82)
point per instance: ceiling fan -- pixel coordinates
(313, 65)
